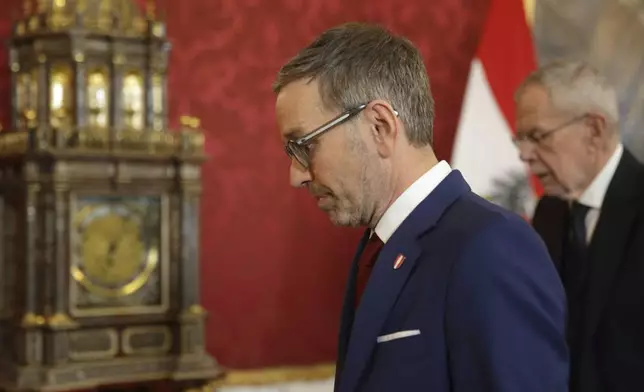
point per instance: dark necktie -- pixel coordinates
(575, 248)
(365, 264)
(575, 271)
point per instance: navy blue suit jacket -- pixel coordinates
(478, 289)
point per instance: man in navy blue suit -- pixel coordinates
(447, 292)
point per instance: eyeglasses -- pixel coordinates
(299, 148)
(536, 137)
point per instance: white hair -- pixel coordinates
(576, 87)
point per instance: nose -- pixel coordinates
(299, 176)
(527, 152)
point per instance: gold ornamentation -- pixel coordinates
(13, 143)
(192, 138)
(190, 122)
(114, 262)
(196, 309)
(158, 29)
(59, 19)
(79, 57)
(60, 321)
(34, 23)
(21, 29)
(29, 116)
(31, 319)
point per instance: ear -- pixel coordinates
(597, 125)
(384, 127)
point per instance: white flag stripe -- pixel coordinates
(483, 148)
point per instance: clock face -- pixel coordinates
(116, 253)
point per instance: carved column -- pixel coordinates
(192, 319)
(32, 321)
(147, 91)
(80, 88)
(43, 95)
(15, 69)
(116, 91)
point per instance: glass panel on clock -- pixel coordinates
(133, 104)
(60, 96)
(98, 98)
(27, 95)
(22, 95)
(157, 102)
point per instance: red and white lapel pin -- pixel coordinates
(399, 261)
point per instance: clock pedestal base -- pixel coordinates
(184, 374)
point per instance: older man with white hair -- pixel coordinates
(591, 218)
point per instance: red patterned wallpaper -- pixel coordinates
(273, 268)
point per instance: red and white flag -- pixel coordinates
(483, 148)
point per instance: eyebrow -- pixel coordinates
(293, 133)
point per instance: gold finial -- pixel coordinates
(32, 320)
(30, 114)
(60, 321)
(30, 117)
(190, 122)
(196, 309)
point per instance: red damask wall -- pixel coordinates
(273, 268)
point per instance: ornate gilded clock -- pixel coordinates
(99, 206)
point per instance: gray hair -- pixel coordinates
(577, 87)
(355, 63)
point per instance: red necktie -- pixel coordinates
(365, 264)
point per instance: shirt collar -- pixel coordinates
(410, 199)
(593, 196)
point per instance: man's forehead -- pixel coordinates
(534, 106)
(298, 96)
(297, 107)
(533, 99)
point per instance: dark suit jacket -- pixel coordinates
(611, 353)
(478, 291)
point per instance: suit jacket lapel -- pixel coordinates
(608, 246)
(550, 221)
(386, 283)
(348, 310)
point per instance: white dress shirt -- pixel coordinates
(400, 209)
(594, 195)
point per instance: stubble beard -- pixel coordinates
(361, 208)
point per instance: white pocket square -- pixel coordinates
(398, 335)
